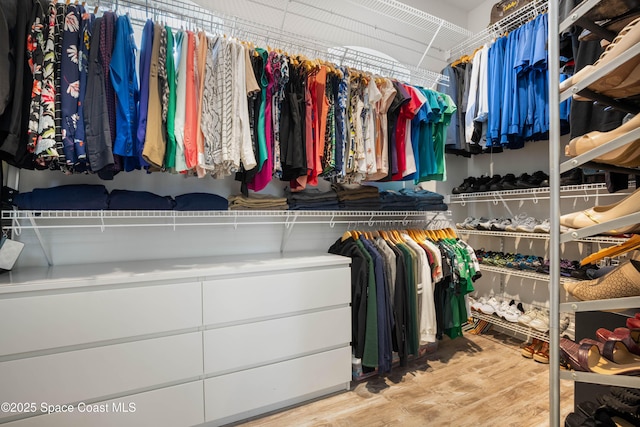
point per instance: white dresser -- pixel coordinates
(172, 342)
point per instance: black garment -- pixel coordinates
(359, 283)
(254, 102)
(16, 80)
(96, 116)
(392, 120)
(400, 304)
(292, 132)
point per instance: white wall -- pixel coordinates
(478, 18)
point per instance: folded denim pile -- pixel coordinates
(312, 199)
(520, 224)
(97, 197)
(412, 200)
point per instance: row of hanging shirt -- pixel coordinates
(212, 105)
(408, 289)
(502, 90)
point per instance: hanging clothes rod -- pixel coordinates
(500, 28)
(179, 14)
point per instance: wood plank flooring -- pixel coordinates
(470, 381)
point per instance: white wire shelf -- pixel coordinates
(522, 273)
(181, 13)
(130, 218)
(534, 194)
(500, 28)
(511, 326)
(590, 377)
(602, 305)
(542, 236)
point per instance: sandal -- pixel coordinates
(532, 348)
(587, 358)
(619, 334)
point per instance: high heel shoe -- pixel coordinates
(626, 39)
(627, 155)
(600, 214)
(622, 282)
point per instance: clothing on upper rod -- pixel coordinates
(309, 118)
(506, 103)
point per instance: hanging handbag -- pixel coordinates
(505, 8)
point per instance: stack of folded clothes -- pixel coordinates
(259, 202)
(354, 197)
(394, 201)
(426, 200)
(313, 199)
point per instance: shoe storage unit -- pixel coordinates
(184, 342)
(588, 314)
(519, 283)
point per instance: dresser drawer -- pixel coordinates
(239, 299)
(48, 321)
(102, 371)
(247, 393)
(177, 406)
(254, 344)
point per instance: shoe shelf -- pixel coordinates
(602, 149)
(590, 377)
(601, 305)
(534, 194)
(522, 273)
(581, 233)
(600, 72)
(511, 326)
(577, 13)
(542, 236)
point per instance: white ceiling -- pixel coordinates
(403, 31)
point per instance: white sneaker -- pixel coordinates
(476, 304)
(490, 307)
(528, 316)
(543, 227)
(515, 222)
(528, 225)
(512, 314)
(502, 309)
(541, 322)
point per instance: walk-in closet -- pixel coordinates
(337, 213)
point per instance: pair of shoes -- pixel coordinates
(531, 349)
(534, 180)
(628, 155)
(509, 312)
(535, 319)
(491, 306)
(601, 214)
(609, 358)
(624, 80)
(629, 337)
(622, 282)
(542, 355)
(465, 187)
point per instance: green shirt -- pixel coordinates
(170, 153)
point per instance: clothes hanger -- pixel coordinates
(629, 245)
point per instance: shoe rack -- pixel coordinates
(583, 310)
(513, 281)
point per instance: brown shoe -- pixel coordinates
(622, 282)
(531, 349)
(542, 355)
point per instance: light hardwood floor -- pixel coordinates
(470, 381)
